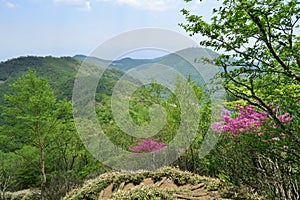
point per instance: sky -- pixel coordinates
(70, 27)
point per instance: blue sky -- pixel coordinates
(69, 27)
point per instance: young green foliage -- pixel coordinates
(261, 64)
(261, 40)
(33, 115)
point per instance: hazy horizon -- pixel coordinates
(69, 27)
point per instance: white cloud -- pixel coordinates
(9, 4)
(87, 6)
(81, 4)
(154, 5)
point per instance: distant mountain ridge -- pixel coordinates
(61, 72)
(186, 61)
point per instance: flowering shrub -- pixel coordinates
(249, 120)
(147, 145)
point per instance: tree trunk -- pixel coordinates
(42, 158)
(43, 174)
(193, 169)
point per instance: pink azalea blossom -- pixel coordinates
(147, 145)
(285, 118)
(249, 121)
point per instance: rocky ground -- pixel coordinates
(165, 183)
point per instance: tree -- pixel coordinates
(33, 116)
(260, 39)
(261, 67)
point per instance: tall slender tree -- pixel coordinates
(33, 116)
